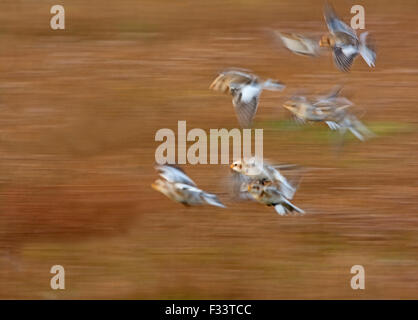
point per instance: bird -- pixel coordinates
(343, 41)
(177, 186)
(245, 89)
(299, 44)
(269, 195)
(254, 169)
(330, 109)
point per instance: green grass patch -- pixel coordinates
(320, 133)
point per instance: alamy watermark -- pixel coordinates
(358, 21)
(58, 280)
(58, 19)
(358, 281)
(198, 151)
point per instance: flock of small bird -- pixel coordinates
(255, 179)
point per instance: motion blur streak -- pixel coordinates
(79, 111)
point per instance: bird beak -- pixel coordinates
(232, 166)
(155, 186)
(288, 107)
(324, 42)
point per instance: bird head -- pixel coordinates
(236, 166)
(291, 105)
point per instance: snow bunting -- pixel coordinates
(332, 110)
(177, 186)
(257, 170)
(245, 89)
(299, 44)
(344, 42)
(269, 195)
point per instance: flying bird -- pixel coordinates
(177, 186)
(332, 110)
(345, 44)
(245, 89)
(254, 169)
(269, 195)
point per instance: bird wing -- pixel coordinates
(239, 186)
(225, 78)
(194, 195)
(188, 188)
(323, 110)
(245, 110)
(273, 193)
(331, 102)
(330, 96)
(299, 44)
(212, 199)
(334, 23)
(174, 175)
(344, 57)
(291, 207)
(286, 188)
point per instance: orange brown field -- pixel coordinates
(79, 112)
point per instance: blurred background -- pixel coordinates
(79, 111)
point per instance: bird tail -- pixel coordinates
(368, 54)
(273, 85)
(212, 200)
(286, 207)
(358, 129)
(280, 209)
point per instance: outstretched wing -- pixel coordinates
(245, 110)
(334, 23)
(223, 81)
(299, 44)
(344, 57)
(174, 175)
